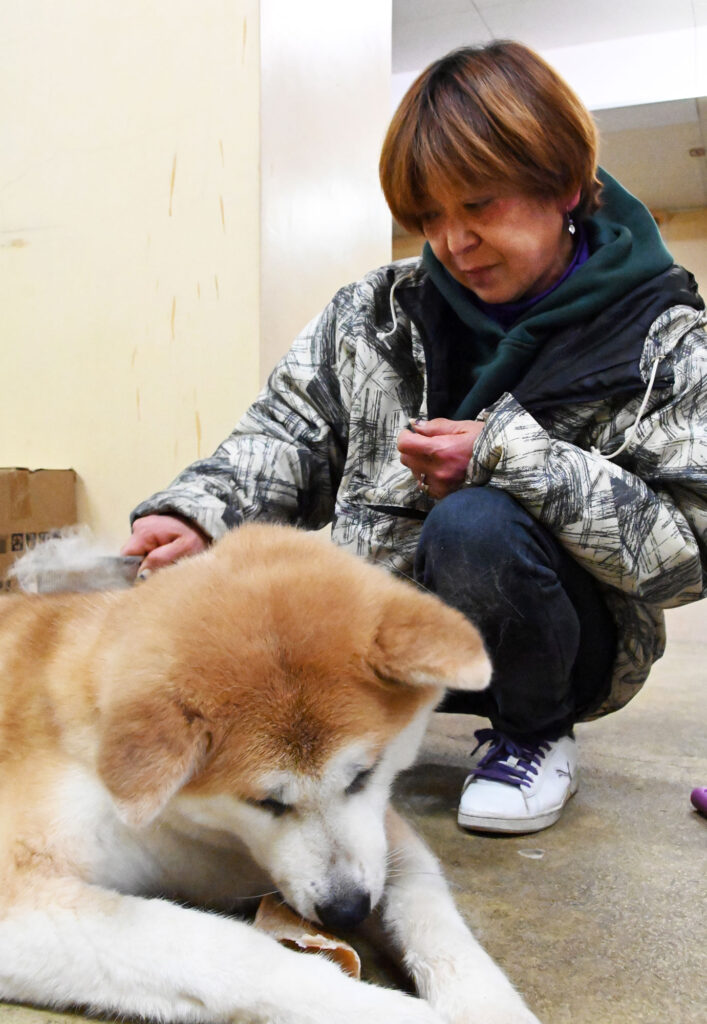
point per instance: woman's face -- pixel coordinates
(501, 247)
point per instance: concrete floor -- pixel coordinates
(601, 918)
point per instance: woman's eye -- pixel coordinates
(359, 782)
(477, 205)
(274, 807)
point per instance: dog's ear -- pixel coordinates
(150, 747)
(422, 641)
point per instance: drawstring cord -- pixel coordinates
(382, 335)
(637, 422)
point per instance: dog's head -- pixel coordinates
(273, 688)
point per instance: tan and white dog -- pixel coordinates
(231, 725)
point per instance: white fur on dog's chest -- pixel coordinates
(170, 857)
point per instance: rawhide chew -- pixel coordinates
(275, 917)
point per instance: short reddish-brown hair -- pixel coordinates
(489, 116)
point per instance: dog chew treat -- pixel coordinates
(275, 917)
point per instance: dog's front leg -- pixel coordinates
(448, 965)
(70, 944)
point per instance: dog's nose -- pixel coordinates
(344, 912)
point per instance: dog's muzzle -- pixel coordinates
(344, 912)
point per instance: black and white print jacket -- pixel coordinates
(620, 480)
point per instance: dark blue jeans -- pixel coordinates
(548, 632)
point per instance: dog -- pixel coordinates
(231, 726)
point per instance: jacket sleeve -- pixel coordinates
(638, 524)
(284, 459)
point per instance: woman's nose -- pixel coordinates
(460, 237)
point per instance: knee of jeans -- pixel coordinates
(475, 519)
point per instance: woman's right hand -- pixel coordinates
(163, 540)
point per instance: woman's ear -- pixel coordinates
(571, 201)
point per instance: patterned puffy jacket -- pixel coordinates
(620, 480)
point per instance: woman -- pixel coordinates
(517, 419)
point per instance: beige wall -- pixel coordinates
(685, 234)
(130, 311)
(326, 72)
(130, 225)
(407, 245)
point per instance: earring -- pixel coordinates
(571, 227)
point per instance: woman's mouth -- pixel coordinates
(475, 277)
(475, 271)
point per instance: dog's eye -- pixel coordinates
(359, 782)
(274, 807)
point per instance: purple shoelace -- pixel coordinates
(514, 762)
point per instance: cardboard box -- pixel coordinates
(34, 505)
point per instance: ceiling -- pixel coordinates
(654, 149)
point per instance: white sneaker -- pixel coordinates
(518, 785)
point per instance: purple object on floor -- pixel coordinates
(699, 800)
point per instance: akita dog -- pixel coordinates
(230, 726)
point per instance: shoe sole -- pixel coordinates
(514, 826)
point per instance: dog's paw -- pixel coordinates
(465, 986)
(321, 993)
(403, 1010)
(386, 1006)
(474, 996)
(472, 1008)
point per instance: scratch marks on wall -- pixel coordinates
(223, 214)
(171, 183)
(173, 316)
(220, 147)
(14, 243)
(218, 294)
(245, 40)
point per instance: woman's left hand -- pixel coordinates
(438, 453)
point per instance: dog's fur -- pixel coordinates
(230, 726)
